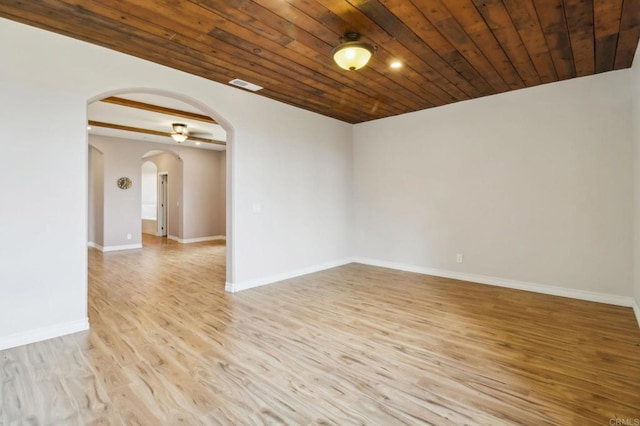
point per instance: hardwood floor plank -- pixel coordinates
(350, 345)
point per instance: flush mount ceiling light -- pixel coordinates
(352, 54)
(180, 133)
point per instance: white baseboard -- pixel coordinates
(94, 245)
(197, 240)
(636, 310)
(592, 296)
(44, 333)
(124, 247)
(245, 285)
(114, 248)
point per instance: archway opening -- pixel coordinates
(184, 231)
(153, 220)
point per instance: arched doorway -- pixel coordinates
(175, 148)
(152, 211)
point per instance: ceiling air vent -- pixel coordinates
(245, 85)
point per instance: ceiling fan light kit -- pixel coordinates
(352, 54)
(180, 133)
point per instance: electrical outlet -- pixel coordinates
(128, 236)
(459, 258)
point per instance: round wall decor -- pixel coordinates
(124, 183)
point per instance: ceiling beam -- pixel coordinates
(160, 109)
(150, 132)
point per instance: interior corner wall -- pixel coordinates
(531, 186)
(96, 197)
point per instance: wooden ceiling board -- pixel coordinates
(629, 33)
(451, 50)
(579, 15)
(474, 25)
(497, 18)
(607, 14)
(554, 25)
(524, 17)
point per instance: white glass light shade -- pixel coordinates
(179, 137)
(352, 55)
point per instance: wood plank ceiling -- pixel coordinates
(452, 50)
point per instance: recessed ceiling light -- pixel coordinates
(88, 127)
(198, 143)
(396, 64)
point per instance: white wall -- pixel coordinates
(43, 261)
(121, 158)
(96, 197)
(295, 163)
(303, 194)
(204, 205)
(635, 120)
(222, 191)
(532, 186)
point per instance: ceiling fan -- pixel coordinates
(181, 133)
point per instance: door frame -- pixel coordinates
(163, 204)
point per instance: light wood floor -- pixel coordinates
(352, 345)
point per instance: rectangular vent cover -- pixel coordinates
(245, 85)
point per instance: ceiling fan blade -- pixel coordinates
(206, 135)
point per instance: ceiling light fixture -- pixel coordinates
(396, 64)
(352, 54)
(180, 133)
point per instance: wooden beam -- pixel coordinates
(150, 132)
(160, 109)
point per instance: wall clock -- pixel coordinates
(124, 183)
